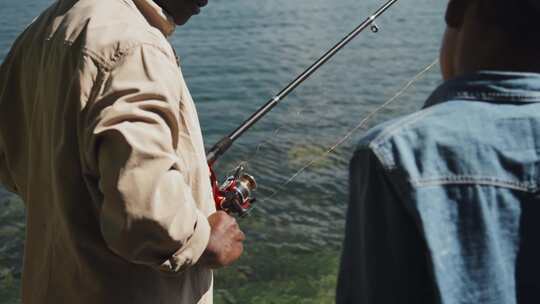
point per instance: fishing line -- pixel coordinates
(298, 112)
(235, 195)
(349, 134)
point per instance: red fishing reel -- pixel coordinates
(235, 195)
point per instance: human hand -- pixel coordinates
(225, 245)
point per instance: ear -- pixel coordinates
(449, 49)
(455, 13)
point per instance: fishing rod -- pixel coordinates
(235, 195)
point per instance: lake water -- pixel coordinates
(235, 56)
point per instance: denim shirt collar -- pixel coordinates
(489, 86)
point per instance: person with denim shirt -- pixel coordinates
(444, 203)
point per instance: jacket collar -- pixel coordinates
(489, 86)
(156, 16)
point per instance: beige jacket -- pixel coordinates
(100, 137)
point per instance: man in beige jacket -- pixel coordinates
(100, 137)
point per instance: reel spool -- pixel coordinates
(236, 194)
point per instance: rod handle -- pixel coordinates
(218, 149)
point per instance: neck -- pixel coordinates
(160, 3)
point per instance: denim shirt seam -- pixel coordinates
(474, 180)
(377, 145)
(496, 96)
(385, 159)
(382, 138)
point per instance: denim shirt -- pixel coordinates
(444, 204)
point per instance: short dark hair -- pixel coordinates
(516, 16)
(520, 19)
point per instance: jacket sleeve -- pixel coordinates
(384, 255)
(148, 214)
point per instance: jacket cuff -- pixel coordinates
(190, 253)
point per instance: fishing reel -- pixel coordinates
(235, 195)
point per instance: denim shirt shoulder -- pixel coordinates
(467, 168)
(479, 129)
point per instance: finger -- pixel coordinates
(240, 236)
(240, 250)
(222, 214)
(218, 217)
(232, 224)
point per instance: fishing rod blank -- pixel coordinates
(225, 143)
